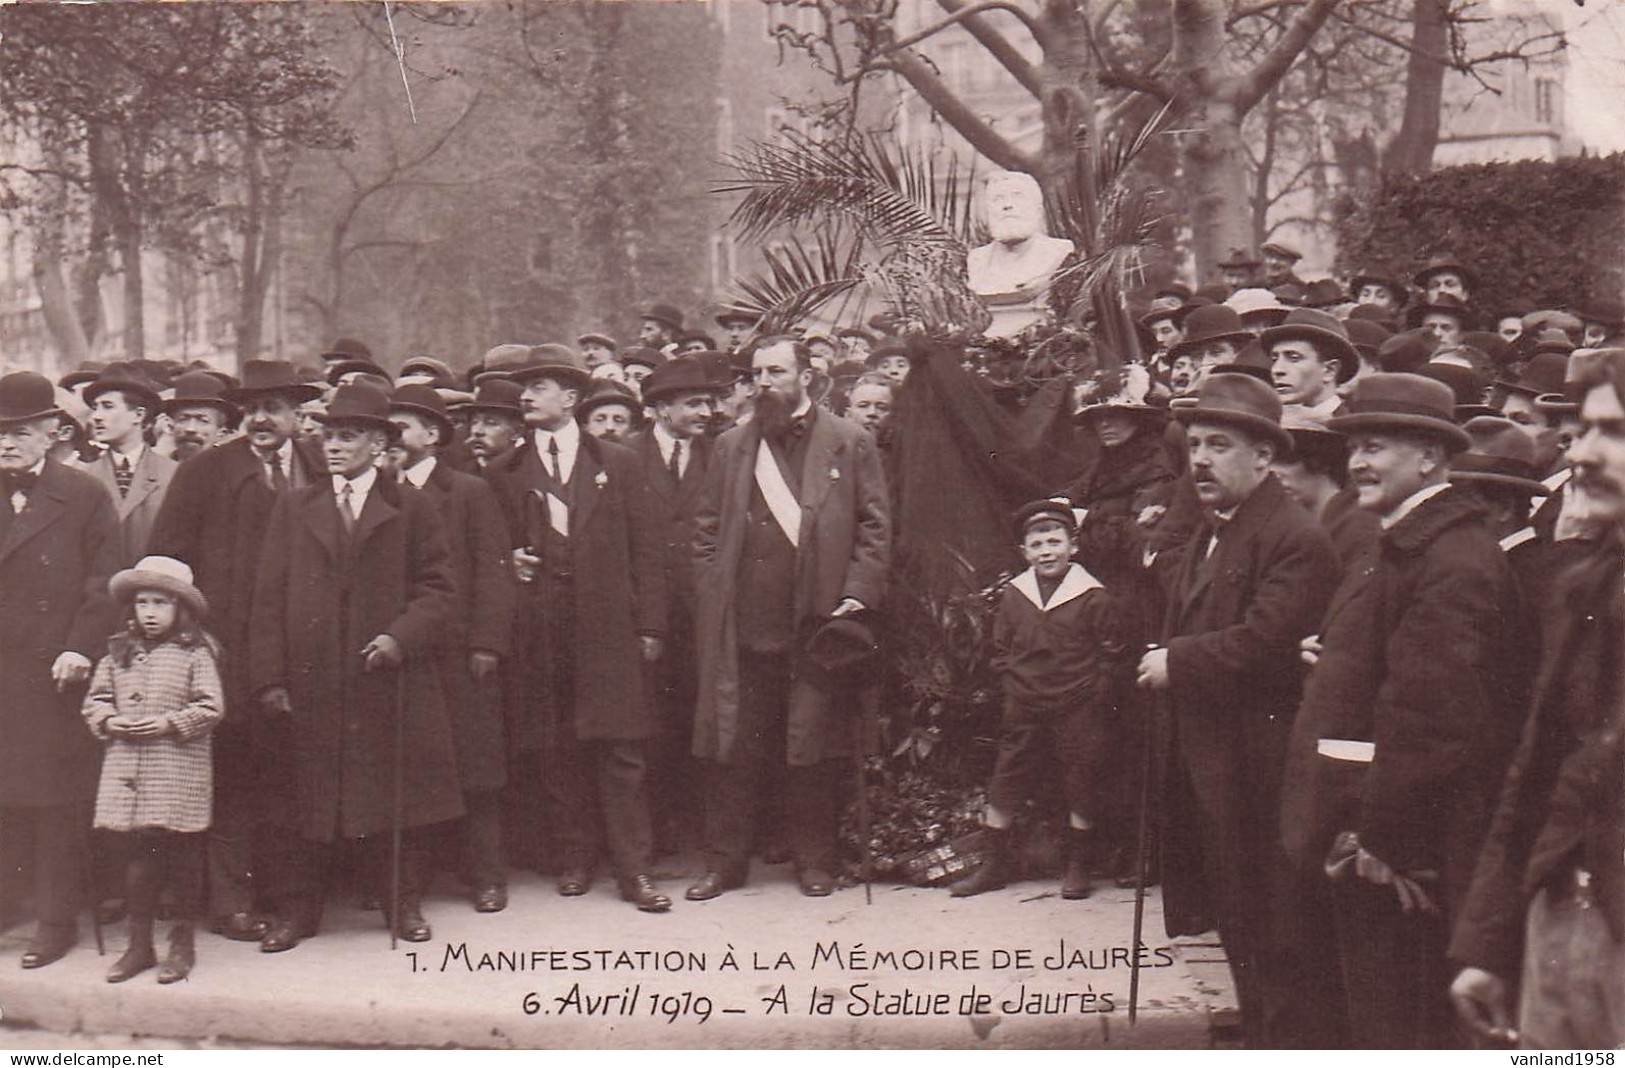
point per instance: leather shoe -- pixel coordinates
(412, 927)
(49, 945)
(491, 898)
(815, 882)
(573, 882)
(712, 884)
(241, 926)
(640, 890)
(286, 933)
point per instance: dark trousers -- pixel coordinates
(736, 788)
(598, 794)
(304, 869)
(675, 774)
(155, 860)
(480, 834)
(231, 833)
(1395, 976)
(54, 839)
(1034, 741)
(524, 812)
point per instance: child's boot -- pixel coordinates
(182, 954)
(139, 956)
(993, 873)
(1076, 884)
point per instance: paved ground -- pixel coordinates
(1018, 968)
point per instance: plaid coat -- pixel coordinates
(162, 782)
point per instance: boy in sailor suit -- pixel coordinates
(1054, 647)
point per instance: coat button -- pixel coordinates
(43, 606)
(136, 698)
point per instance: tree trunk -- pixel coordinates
(135, 308)
(56, 304)
(252, 276)
(1411, 151)
(1215, 173)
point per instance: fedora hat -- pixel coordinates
(425, 401)
(604, 393)
(1604, 311)
(164, 573)
(643, 356)
(1444, 304)
(1543, 374)
(735, 315)
(1312, 440)
(1288, 293)
(494, 394)
(1367, 337)
(1552, 340)
(1413, 403)
(1466, 384)
(1211, 322)
(593, 338)
(1492, 345)
(26, 396)
(200, 389)
(347, 348)
(1440, 265)
(1374, 314)
(338, 369)
(360, 404)
(126, 378)
(686, 374)
(85, 372)
(1285, 252)
(1241, 401)
(271, 376)
(1326, 332)
(438, 372)
(1324, 293)
(1174, 313)
(499, 360)
(1387, 280)
(841, 650)
(1541, 318)
(558, 362)
(1406, 351)
(664, 314)
(1501, 454)
(1239, 258)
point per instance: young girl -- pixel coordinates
(154, 700)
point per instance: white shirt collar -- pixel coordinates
(1412, 503)
(569, 438)
(1074, 584)
(664, 440)
(803, 408)
(360, 486)
(419, 473)
(134, 455)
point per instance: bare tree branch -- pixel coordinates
(1034, 27)
(955, 113)
(996, 43)
(1287, 48)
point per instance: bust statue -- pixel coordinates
(1011, 274)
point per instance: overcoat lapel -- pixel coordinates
(587, 490)
(381, 507)
(143, 484)
(818, 467)
(321, 515)
(44, 508)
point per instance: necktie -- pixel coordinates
(279, 479)
(18, 481)
(553, 460)
(677, 461)
(346, 512)
(122, 474)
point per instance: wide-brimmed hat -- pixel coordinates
(1388, 280)
(1175, 314)
(686, 374)
(1239, 258)
(1285, 252)
(164, 573)
(271, 376)
(87, 371)
(1443, 304)
(347, 348)
(1326, 332)
(595, 338)
(841, 650)
(1257, 302)
(200, 389)
(642, 355)
(128, 379)
(1501, 454)
(1542, 374)
(664, 314)
(361, 404)
(494, 394)
(1289, 293)
(26, 396)
(425, 401)
(1210, 322)
(605, 393)
(1411, 403)
(1441, 264)
(558, 362)
(1242, 401)
(1324, 293)
(721, 370)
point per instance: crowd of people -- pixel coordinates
(1354, 563)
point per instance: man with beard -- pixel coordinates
(658, 327)
(1407, 721)
(1012, 272)
(1443, 276)
(214, 518)
(496, 422)
(123, 403)
(58, 548)
(1246, 588)
(1546, 909)
(201, 417)
(793, 527)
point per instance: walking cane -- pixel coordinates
(395, 822)
(864, 815)
(1142, 861)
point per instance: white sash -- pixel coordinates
(558, 513)
(780, 501)
(1344, 749)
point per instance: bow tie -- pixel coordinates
(18, 481)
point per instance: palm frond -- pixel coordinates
(799, 279)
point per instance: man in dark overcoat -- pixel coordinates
(793, 527)
(478, 636)
(352, 607)
(675, 451)
(1541, 936)
(215, 517)
(1408, 716)
(59, 544)
(1242, 593)
(592, 614)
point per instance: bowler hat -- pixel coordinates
(1367, 337)
(1466, 385)
(163, 573)
(686, 374)
(200, 389)
(1386, 280)
(1492, 345)
(360, 404)
(338, 369)
(495, 394)
(1324, 293)
(1443, 304)
(1501, 454)
(643, 356)
(1552, 340)
(1604, 311)
(736, 315)
(558, 362)
(1239, 258)
(1288, 293)
(1173, 313)
(1406, 351)
(1241, 401)
(127, 379)
(1285, 252)
(1313, 440)
(1171, 295)
(1542, 374)
(1374, 313)
(841, 650)
(26, 396)
(347, 348)
(1053, 509)
(720, 370)
(270, 376)
(601, 340)
(604, 393)
(425, 401)
(1409, 403)
(1440, 265)
(1326, 332)
(664, 314)
(1211, 322)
